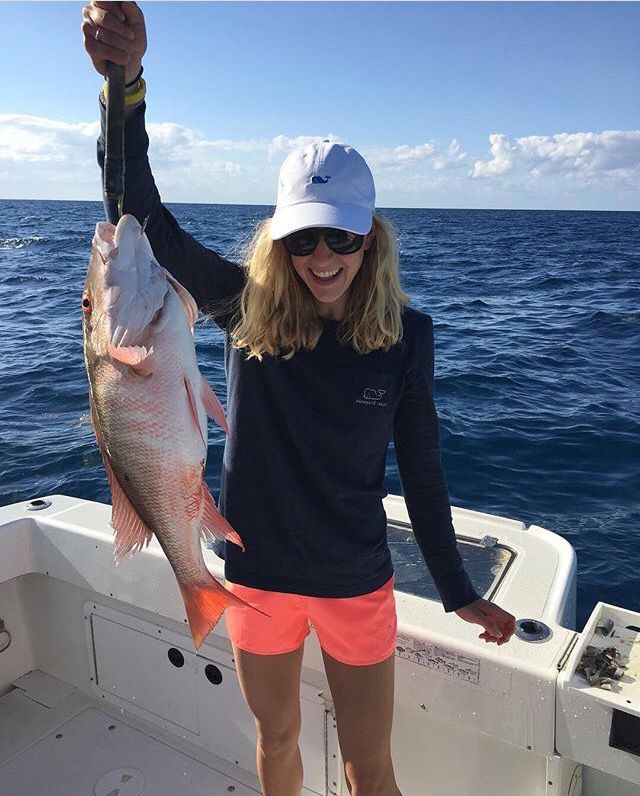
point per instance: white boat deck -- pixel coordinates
(60, 742)
(101, 692)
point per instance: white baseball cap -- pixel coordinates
(325, 184)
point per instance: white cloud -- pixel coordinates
(404, 153)
(283, 144)
(46, 158)
(183, 157)
(34, 139)
(168, 134)
(419, 160)
(502, 161)
(587, 157)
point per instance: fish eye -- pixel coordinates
(86, 304)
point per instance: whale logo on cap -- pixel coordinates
(317, 178)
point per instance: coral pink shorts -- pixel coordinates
(355, 630)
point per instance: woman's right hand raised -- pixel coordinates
(114, 32)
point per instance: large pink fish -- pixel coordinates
(149, 405)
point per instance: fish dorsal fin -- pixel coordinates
(188, 302)
(214, 525)
(131, 533)
(213, 405)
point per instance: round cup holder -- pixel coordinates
(532, 630)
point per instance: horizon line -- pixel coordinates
(387, 207)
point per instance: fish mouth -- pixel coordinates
(104, 241)
(108, 238)
(127, 225)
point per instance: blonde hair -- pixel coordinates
(278, 314)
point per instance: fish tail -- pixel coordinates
(205, 603)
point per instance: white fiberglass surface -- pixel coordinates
(94, 753)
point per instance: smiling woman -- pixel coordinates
(325, 363)
(325, 237)
(349, 269)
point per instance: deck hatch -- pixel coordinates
(486, 565)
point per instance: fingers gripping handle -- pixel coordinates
(113, 186)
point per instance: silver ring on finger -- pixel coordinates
(97, 34)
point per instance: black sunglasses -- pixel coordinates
(304, 241)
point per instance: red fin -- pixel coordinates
(188, 302)
(194, 408)
(205, 603)
(213, 405)
(131, 533)
(135, 355)
(214, 525)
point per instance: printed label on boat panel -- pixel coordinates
(454, 664)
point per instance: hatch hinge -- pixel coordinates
(565, 656)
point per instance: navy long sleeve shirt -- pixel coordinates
(304, 464)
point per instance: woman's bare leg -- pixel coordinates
(363, 700)
(271, 688)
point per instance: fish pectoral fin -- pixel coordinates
(214, 525)
(213, 405)
(205, 603)
(136, 356)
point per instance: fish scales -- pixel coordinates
(149, 405)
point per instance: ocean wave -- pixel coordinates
(30, 220)
(20, 243)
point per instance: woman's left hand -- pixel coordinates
(499, 625)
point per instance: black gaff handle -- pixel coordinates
(113, 187)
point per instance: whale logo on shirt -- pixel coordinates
(372, 395)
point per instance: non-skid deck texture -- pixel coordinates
(95, 754)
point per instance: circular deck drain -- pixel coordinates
(38, 504)
(120, 782)
(532, 630)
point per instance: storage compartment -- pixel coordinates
(154, 673)
(598, 695)
(486, 561)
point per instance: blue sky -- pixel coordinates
(453, 104)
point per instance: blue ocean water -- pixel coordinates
(537, 322)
